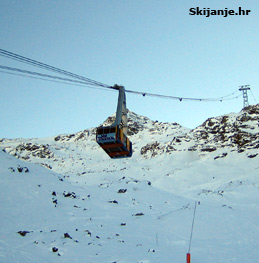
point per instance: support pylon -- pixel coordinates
(244, 89)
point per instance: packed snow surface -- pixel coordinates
(64, 200)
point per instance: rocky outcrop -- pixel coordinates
(75, 137)
(25, 150)
(238, 131)
(136, 123)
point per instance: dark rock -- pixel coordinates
(20, 169)
(54, 249)
(209, 149)
(221, 156)
(252, 155)
(23, 233)
(69, 194)
(113, 202)
(57, 138)
(138, 214)
(66, 235)
(88, 233)
(122, 191)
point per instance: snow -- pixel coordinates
(89, 208)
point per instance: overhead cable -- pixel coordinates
(183, 98)
(73, 83)
(35, 63)
(89, 82)
(42, 75)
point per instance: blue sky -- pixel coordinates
(150, 46)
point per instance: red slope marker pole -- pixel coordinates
(188, 258)
(188, 255)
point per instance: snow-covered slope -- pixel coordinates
(64, 200)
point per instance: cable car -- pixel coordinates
(113, 139)
(114, 142)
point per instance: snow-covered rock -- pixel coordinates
(238, 131)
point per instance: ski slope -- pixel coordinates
(64, 200)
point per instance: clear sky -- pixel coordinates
(152, 46)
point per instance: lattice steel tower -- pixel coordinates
(244, 89)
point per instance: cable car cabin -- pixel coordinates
(114, 142)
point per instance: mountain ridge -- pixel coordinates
(240, 131)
